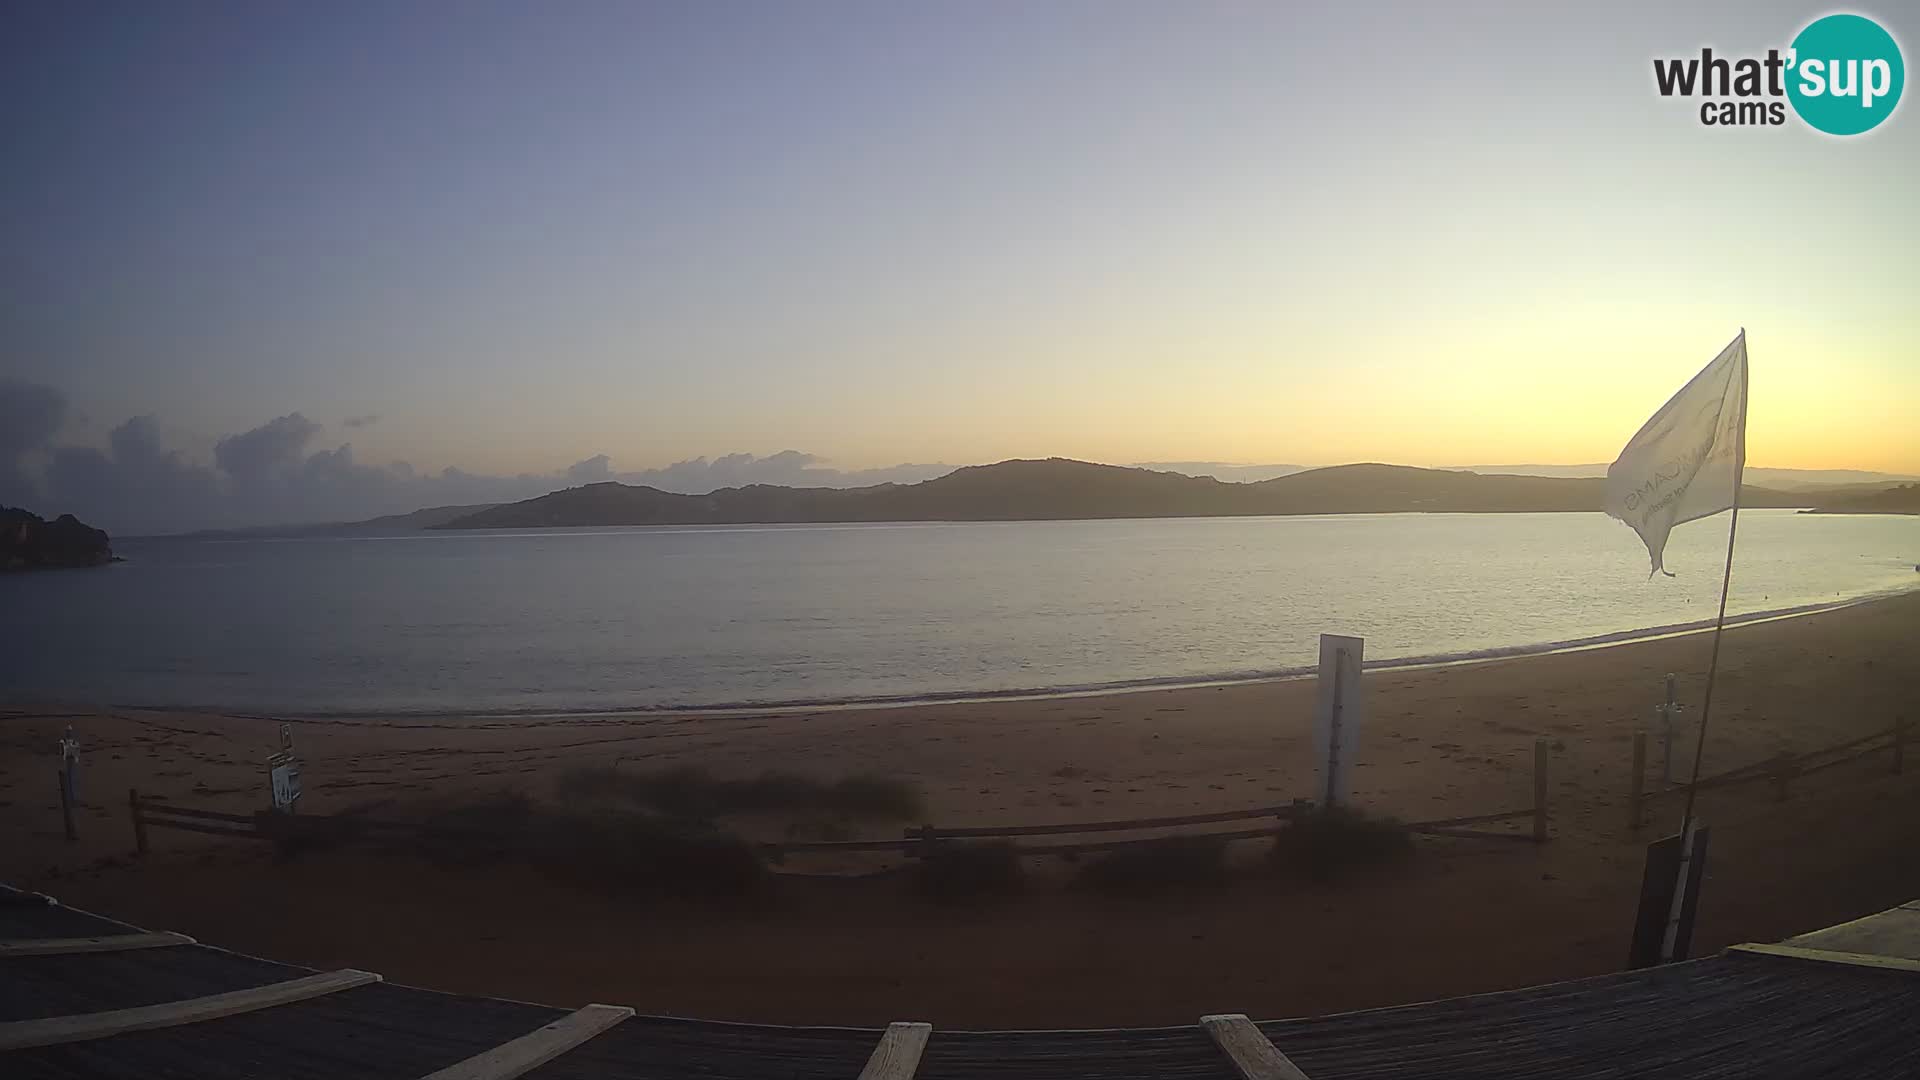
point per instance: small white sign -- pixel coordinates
(70, 765)
(285, 777)
(1337, 715)
(283, 773)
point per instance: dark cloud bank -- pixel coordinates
(274, 474)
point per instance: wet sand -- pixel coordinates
(1460, 916)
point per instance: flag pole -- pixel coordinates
(1720, 621)
(1713, 666)
(1676, 910)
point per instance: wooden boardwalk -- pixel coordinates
(175, 1008)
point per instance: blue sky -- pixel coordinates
(523, 235)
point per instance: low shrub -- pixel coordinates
(1328, 840)
(625, 850)
(632, 852)
(488, 829)
(872, 797)
(1156, 866)
(694, 794)
(963, 872)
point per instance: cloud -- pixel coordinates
(596, 469)
(139, 480)
(788, 468)
(273, 474)
(268, 451)
(29, 415)
(362, 421)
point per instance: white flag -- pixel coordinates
(1687, 461)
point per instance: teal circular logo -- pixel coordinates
(1845, 74)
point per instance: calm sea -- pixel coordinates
(649, 618)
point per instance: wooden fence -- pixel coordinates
(270, 825)
(916, 842)
(148, 813)
(1780, 770)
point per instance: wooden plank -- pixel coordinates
(1855, 756)
(1828, 956)
(1892, 933)
(212, 830)
(139, 821)
(54, 1030)
(62, 777)
(1540, 790)
(919, 847)
(1473, 834)
(1850, 744)
(106, 943)
(1639, 783)
(897, 1056)
(1764, 770)
(841, 845)
(1254, 1057)
(536, 1048)
(1107, 826)
(152, 810)
(1476, 819)
(1077, 848)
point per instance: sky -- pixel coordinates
(274, 261)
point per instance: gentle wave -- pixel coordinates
(1118, 686)
(671, 621)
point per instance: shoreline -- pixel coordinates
(1146, 685)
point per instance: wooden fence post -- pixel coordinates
(1782, 772)
(66, 806)
(1639, 781)
(1539, 791)
(925, 848)
(139, 823)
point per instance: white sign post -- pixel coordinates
(1669, 718)
(1338, 712)
(69, 780)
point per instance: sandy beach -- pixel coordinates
(1460, 916)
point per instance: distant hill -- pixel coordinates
(29, 543)
(1777, 479)
(428, 518)
(1222, 470)
(1904, 499)
(1057, 488)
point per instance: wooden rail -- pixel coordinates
(536, 1048)
(924, 840)
(1780, 770)
(1253, 1055)
(102, 943)
(1288, 811)
(897, 1055)
(147, 813)
(917, 841)
(54, 1030)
